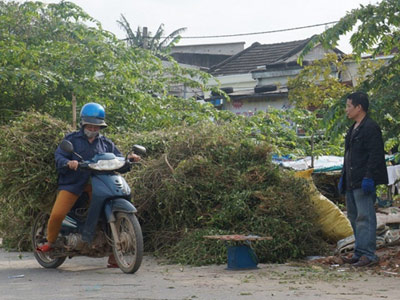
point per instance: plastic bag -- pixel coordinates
(334, 223)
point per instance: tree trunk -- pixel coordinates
(312, 150)
(73, 111)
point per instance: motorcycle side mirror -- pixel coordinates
(137, 149)
(68, 147)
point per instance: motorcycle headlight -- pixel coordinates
(107, 165)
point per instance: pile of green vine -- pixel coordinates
(198, 180)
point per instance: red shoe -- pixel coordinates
(111, 263)
(44, 248)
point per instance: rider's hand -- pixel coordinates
(134, 157)
(73, 165)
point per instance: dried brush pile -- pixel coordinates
(28, 179)
(196, 181)
(209, 179)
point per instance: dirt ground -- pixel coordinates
(21, 277)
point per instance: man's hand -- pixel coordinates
(73, 165)
(134, 157)
(368, 185)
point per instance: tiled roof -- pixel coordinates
(257, 55)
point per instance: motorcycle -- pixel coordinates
(98, 227)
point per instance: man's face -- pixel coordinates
(91, 131)
(92, 127)
(352, 111)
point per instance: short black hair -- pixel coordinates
(359, 98)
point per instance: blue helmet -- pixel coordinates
(93, 114)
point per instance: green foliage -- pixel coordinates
(158, 44)
(384, 90)
(317, 92)
(48, 53)
(198, 180)
(208, 171)
(27, 171)
(193, 249)
(275, 127)
(317, 85)
(214, 179)
(377, 29)
(376, 32)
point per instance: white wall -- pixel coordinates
(352, 72)
(238, 82)
(249, 107)
(275, 77)
(223, 48)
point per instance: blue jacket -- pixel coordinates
(75, 181)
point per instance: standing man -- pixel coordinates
(364, 168)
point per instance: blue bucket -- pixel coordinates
(241, 257)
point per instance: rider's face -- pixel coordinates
(91, 131)
(93, 128)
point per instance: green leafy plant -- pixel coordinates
(28, 179)
(51, 54)
(198, 180)
(158, 43)
(376, 32)
(217, 179)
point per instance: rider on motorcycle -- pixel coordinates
(72, 181)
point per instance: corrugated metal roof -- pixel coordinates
(257, 55)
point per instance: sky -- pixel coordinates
(224, 17)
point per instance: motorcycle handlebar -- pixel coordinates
(85, 165)
(80, 165)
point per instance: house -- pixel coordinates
(206, 55)
(351, 75)
(200, 57)
(181, 90)
(256, 78)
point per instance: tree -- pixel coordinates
(377, 32)
(48, 53)
(377, 29)
(319, 85)
(157, 44)
(315, 91)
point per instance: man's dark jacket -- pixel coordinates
(364, 155)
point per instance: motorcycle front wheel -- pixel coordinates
(129, 253)
(39, 230)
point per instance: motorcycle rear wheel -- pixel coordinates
(39, 230)
(130, 253)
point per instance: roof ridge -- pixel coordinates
(303, 40)
(296, 49)
(224, 62)
(258, 55)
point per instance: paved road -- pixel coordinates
(21, 277)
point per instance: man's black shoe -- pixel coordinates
(349, 260)
(364, 262)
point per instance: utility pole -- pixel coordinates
(145, 37)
